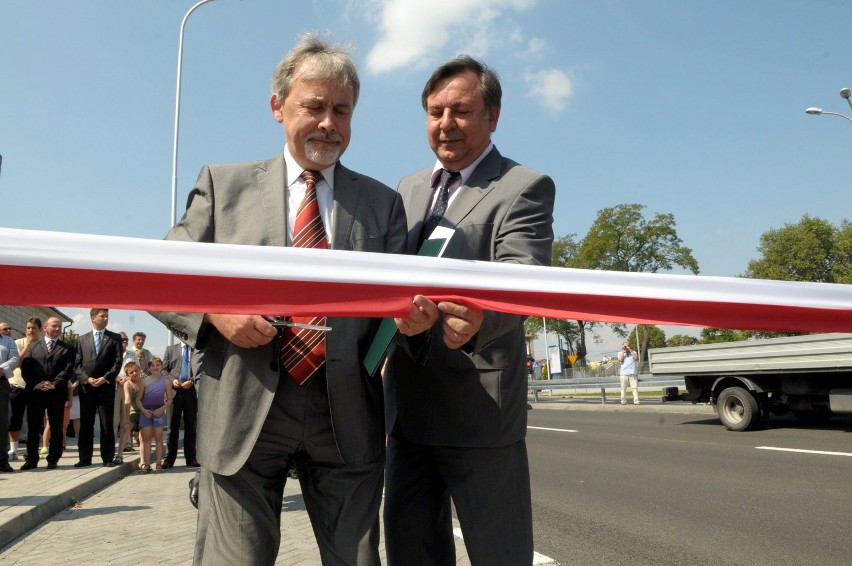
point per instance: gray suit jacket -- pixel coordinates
(474, 396)
(244, 203)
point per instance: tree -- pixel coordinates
(716, 335)
(843, 254)
(650, 336)
(811, 250)
(681, 340)
(621, 239)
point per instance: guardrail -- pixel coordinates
(602, 383)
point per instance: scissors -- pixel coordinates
(282, 321)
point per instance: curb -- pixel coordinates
(33, 511)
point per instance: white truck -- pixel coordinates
(747, 381)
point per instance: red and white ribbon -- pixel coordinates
(79, 270)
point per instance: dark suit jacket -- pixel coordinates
(173, 360)
(106, 363)
(57, 367)
(244, 203)
(474, 396)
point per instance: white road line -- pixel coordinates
(804, 451)
(553, 429)
(538, 559)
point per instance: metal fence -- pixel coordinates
(594, 384)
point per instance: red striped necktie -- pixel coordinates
(303, 350)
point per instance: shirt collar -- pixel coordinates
(294, 170)
(467, 171)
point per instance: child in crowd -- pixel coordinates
(152, 405)
(132, 386)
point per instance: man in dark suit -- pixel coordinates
(47, 366)
(184, 404)
(97, 364)
(456, 387)
(254, 419)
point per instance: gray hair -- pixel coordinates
(326, 62)
(489, 82)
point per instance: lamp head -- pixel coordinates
(813, 111)
(845, 93)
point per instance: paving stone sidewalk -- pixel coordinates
(98, 515)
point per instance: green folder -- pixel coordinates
(387, 329)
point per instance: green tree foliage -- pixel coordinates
(716, 335)
(650, 336)
(811, 250)
(681, 340)
(843, 254)
(70, 337)
(621, 239)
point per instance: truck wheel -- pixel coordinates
(738, 409)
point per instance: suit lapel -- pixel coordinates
(418, 199)
(271, 185)
(479, 185)
(105, 342)
(346, 197)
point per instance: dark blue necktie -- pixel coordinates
(184, 363)
(440, 208)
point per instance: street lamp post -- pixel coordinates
(844, 93)
(173, 217)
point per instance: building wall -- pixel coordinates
(17, 317)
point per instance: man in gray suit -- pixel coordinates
(455, 388)
(254, 421)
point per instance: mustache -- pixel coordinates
(325, 136)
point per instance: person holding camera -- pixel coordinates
(628, 361)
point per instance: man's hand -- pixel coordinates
(243, 330)
(422, 316)
(187, 384)
(461, 323)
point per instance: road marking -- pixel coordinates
(804, 451)
(538, 559)
(553, 429)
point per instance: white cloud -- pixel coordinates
(551, 87)
(411, 31)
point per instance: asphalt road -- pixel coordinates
(634, 488)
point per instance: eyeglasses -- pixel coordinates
(5, 329)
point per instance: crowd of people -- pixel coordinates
(58, 390)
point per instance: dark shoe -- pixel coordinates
(109, 464)
(28, 466)
(6, 468)
(118, 460)
(166, 465)
(51, 465)
(193, 464)
(82, 464)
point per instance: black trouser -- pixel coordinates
(37, 403)
(100, 401)
(184, 403)
(5, 390)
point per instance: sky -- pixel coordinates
(690, 108)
